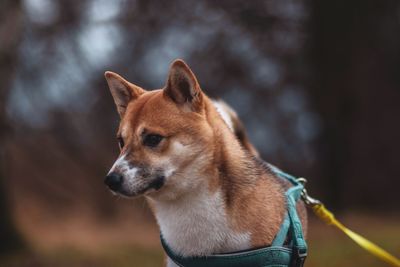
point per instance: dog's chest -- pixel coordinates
(199, 225)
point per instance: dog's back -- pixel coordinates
(235, 124)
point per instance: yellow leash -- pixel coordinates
(328, 217)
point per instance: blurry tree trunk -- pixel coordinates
(10, 32)
(331, 96)
(356, 91)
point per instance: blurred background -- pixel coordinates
(317, 84)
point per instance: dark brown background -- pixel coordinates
(317, 84)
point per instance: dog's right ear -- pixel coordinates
(122, 91)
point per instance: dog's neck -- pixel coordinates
(215, 216)
(198, 224)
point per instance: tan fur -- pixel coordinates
(253, 196)
(239, 130)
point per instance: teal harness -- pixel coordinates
(276, 255)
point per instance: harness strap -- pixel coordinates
(283, 232)
(299, 246)
(263, 257)
(293, 194)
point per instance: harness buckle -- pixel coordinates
(299, 257)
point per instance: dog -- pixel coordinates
(190, 157)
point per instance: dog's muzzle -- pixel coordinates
(117, 183)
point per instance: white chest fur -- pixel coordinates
(197, 225)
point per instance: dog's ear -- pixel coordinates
(122, 91)
(182, 87)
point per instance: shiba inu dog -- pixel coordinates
(189, 157)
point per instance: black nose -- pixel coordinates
(113, 181)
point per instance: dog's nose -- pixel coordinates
(113, 181)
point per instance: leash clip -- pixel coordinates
(310, 201)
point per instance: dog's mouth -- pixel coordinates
(154, 185)
(135, 191)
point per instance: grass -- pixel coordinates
(124, 256)
(328, 248)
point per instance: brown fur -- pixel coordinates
(254, 199)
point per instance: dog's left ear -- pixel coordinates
(183, 88)
(122, 91)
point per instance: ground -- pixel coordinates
(328, 247)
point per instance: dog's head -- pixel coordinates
(164, 135)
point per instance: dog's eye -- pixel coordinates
(120, 142)
(152, 140)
